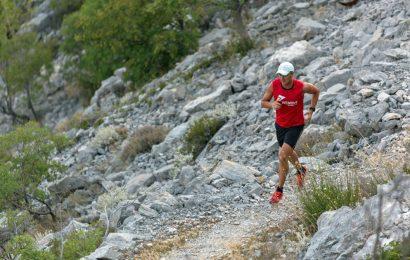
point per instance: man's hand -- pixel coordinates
(308, 117)
(276, 104)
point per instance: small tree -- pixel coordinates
(146, 36)
(21, 57)
(25, 162)
(24, 247)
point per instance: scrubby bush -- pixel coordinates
(105, 136)
(25, 162)
(146, 36)
(142, 141)
(325, 193)
(199, 134)
(18, 221)
(22, 57)
(79, 243)
(24, 247)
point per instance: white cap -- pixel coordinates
(285, 68)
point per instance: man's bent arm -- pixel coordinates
(312, 89)
(265, 102)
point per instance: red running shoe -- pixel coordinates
(300, 176)
(276, 197)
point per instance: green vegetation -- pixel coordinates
(148, 37)
(199, 134)
(79, 244)
(24, 247)
(25, 161)
(142, 141)
(65, 7)
(76, 245)
(18, 222)
(324, 194)
(22, 57)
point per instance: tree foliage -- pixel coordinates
(24, 247)
(22, 56)
(25, 162)
(146, 36)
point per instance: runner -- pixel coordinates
(287, 93)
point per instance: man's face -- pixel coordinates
(286, 80)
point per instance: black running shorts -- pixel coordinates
(289, 135)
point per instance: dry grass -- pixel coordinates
(156, 250)
(161, 246)
(142, 140)
(79, 121)
(104, 137)
(283, 240)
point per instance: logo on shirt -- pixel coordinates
(280, 97)
(290, 103)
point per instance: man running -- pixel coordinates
(287, 93)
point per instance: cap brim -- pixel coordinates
(282, 72)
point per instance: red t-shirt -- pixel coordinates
(291, 112)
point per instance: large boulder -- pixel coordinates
(300, 54)
(336, 77)
(69, 184)
(171, 140)
(233, 173)
(140, 180)
(209, 101)
(109, 92)
(113, 246)
(349, 233)
(307, 28)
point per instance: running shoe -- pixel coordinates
(276, 197)
(300, 176)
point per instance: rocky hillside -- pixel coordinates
(357, 55)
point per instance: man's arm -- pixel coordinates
(311, 89)
(265, 102)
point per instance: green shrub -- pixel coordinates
(392, 251)
(25, 162)
(199, 134)
(79, 244)
(23, 57)
(18, 222)
(25, 247)
(142, 141)
(324, 193)
(148, 37)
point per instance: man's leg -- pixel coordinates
(294, 159)
(285, 152)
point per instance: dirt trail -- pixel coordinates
(219, 240)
